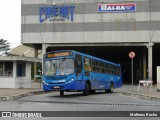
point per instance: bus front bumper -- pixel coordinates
(74, 85)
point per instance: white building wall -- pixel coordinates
(89, 26)
(7, 82)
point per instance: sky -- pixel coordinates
(10, 21)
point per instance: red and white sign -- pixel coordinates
(124, 7)
(132, 54)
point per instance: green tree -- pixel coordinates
(4, 46)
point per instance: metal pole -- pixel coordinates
(132, 72)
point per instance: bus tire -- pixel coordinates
(111, 88)
(86, 91)
(61, 93)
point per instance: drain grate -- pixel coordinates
(95, 103)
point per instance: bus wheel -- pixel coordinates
(111, 89)
(86, 91)
(61, 93)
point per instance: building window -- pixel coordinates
(21, 69)
(6, 68)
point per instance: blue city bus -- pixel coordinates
(68, 70)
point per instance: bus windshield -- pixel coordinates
(58, 67)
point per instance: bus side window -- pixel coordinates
(78, 64)
(87, 64)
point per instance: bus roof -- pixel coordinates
(86, 55)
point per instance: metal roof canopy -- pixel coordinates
(23, 50)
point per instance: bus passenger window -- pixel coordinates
(87, 65)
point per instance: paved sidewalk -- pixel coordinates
(13, 94)
(143, 93)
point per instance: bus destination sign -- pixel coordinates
(59, 54)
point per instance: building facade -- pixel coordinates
(15, 71)
(108, 29)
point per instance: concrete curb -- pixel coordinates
(141, 96)
(15, 97)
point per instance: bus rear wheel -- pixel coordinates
(86, 91)
(61, 93)
(111, 88)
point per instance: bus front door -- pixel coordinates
(79, 73)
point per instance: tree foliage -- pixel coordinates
(4, 46)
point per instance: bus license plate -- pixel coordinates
(56, 87)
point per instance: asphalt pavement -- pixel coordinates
(36, 88)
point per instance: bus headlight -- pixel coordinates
(71, 80)
(45, 83)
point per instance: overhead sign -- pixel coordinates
(126, 7)
(132, 55)
(54, 11)
(59, 54)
